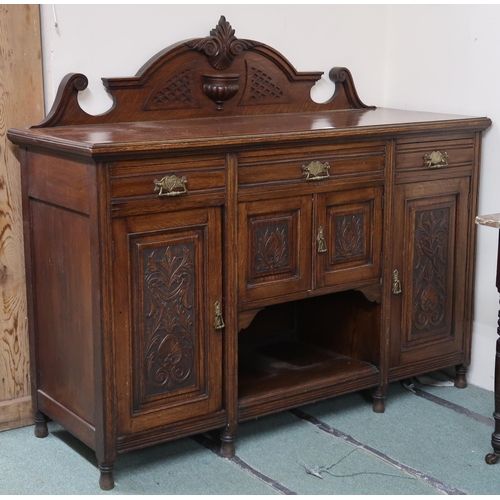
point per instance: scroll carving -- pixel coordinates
(432, 232)
(221, 47)
(169, 320)
(349, 236)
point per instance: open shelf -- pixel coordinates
(301, 352)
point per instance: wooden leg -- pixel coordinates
(107, 480)
(41, 429)
(227, 443)
(461, 376)
(493, 458)
(379, 400)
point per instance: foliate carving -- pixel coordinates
(349, 236)
(272, 248)
(176, 91)
(432, 233)
(169, 318)
(262, 87)
(221, 47)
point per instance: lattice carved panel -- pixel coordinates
(174, 92)
(263, 86)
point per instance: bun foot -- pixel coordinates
(378, 401)
(41, 430)
(106, 480)
(379, 405)
(492, 458)
(227, 445)
(461, 377)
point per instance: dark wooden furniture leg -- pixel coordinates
(461, 376)
(378, 396)
(41, 429)
(106, 480)
(227, 443)
(493, 458)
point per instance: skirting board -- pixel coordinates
(16, 413)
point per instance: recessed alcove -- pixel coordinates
(308, 345)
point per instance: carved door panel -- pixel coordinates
(274, 247)
(430, 241)
(168, 353)
(348, 234)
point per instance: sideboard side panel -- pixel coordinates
(63, 307)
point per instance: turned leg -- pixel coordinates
(493, 458)
(379, 399)
(41, 429)
(461, 376)
(227, 437)
(106, 480)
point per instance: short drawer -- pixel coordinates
(431, 155)
(296, 165)
(168, 181)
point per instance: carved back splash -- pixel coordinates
(219, 75)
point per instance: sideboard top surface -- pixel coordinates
(101, 140)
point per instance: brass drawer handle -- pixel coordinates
(396, 284)
(436, 159)
(171, 185)
(316, 171)
(218, 321)
(321, 240)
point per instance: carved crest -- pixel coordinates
(221, 47)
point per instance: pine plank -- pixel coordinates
(21, 104)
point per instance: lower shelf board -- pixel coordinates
(287, 373)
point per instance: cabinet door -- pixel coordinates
(168, 353)
(274, 247)
(429, 279)
(348, 236)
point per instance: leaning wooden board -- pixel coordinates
(21, 103)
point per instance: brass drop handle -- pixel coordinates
(321, 240)
(171, 185)
(218, 321)
(396, 284)
(436, 159)
(316, 171)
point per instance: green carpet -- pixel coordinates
(417, 447)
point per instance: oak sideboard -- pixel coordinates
(218, 246)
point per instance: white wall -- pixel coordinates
(446, 58)
(425, 57)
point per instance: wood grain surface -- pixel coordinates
(21, 103)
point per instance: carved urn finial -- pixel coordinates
(220, 88)
(221, 47)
